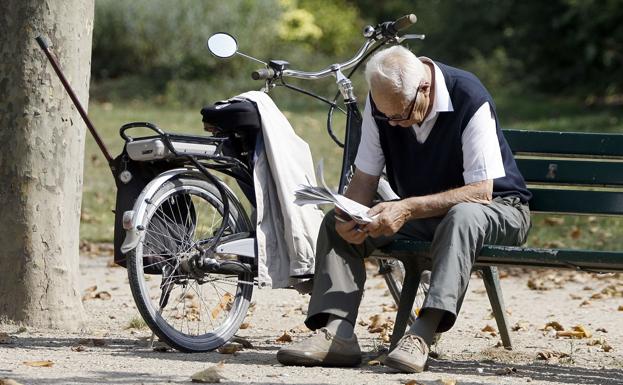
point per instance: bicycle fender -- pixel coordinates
(133, 219)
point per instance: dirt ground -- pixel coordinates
(107, 351)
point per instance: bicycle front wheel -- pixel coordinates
(190, 313)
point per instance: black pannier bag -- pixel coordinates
(155, 249)
(239, 121)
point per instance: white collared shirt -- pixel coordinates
(482, 159)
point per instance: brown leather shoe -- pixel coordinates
(409, 355)
(322, 349)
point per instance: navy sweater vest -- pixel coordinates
(416, 169)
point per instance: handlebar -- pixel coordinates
(387, 31)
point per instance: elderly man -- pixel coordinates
(435, 129)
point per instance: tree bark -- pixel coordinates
(41, 159)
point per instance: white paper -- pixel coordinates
(319, 195)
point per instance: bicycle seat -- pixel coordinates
(234, 115)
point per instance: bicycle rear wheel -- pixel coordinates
(190, 313)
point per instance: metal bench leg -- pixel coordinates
(407, 297)
(494, 291)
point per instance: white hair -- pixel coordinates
(397, 70)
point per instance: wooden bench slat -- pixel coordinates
(576, 201)
(571, 143)
(571, 171)
(522, 256)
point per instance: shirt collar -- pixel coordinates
(442, 102)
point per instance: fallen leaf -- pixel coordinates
(5, 339)
(211, 375)
(39, 364)
(374, 363)
(505, 371)
(285, 338)
(111, 263)
(606, 347)
(230, 348)
(553, 325)
(7, 381)
(585, 303)
(578, 331)
(521, 325)
(620, 308)
(390, 308)
(575, 233)
(89, 293)
(488, 329)
(225, 302)
(575, 296)
(603, 330)
(550, 355)
(244, 325)
(597, 296)
(78, 348)
(103, 295)
(242, 341)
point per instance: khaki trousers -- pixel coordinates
(456, 239)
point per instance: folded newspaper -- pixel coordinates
(319, 195)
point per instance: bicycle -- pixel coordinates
(175, 219)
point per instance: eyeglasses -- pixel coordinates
(378, 115)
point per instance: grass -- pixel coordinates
(532, 112)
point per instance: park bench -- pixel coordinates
(567, 173)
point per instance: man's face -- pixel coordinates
(400, 112)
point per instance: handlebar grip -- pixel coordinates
(404, 22)
(263, 74)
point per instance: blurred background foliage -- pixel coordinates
(155, 49)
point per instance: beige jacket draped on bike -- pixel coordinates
(286, 232)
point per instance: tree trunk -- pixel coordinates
(41, 158)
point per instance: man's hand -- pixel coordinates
(390, 217)
(348, 229)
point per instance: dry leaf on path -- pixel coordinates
(5, 339)
(578, 331)
(285, 338)
(244, 325)
(225, 302)
(505, 371)
(78, 348)
(550, 355)
(242, 341)
(521, 325)
(211, 375)
(89, 293)
(488, 329)
(103, 295)
(39, 364)
(8, 381)
(620, 308)
(553, 325)
(230, 348)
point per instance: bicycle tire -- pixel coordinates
(185, 227)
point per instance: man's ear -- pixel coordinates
(425, 88)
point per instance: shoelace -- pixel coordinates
(410, 344)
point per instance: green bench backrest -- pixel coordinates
(571, 172)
